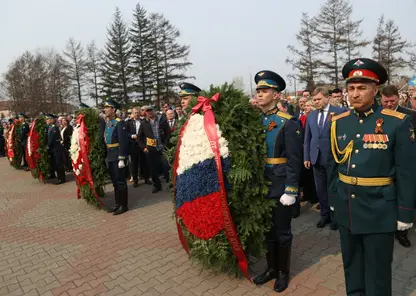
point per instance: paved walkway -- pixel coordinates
(53, 244)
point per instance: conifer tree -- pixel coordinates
(140, 35)
(389, 48)
(116, 68)
(169, 58)
(76, 65)
(336, 32)
(93, 67)
(305, 59)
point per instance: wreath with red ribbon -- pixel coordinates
(81, 165)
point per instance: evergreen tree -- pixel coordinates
(335, 32)
(93, 65)
(76, 65)
(412, 62)
(169, 58)
(379, 40)
(141, 40)
(389, 48)
(305, 58)
(117, 72)
(353, 40)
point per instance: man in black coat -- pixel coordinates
(390, 100)
(153, 137)
(24, 131)
(138, 158)
(55, 149)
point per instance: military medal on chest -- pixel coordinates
(375, 141)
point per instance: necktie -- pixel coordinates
(321, 119)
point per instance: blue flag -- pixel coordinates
(412, 81)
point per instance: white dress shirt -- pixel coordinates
(324, 114)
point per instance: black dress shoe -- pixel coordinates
(113, 209)
(26, 169)
(156, 189)
(265, 277)
(120, 210)
(323, 222)
(148, 182)
(401, 236)
(136, 184)
(333, 225)
(282, 282)
(59, 182)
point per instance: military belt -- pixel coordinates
(279, 160)
(357, 181)
(114, 145)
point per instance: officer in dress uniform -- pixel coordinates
(371, 180)
(55, 149)
(117, 142)
(188, 91)
(282, 168)
(24, 131)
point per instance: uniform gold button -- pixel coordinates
(361, 121)
(353, 166)
(352, 195)
(358, 135)
(356, 151)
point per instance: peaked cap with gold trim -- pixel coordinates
(188, 89)
(269, 79)
(109, 102)
(363, 69)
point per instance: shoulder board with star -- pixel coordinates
(393, 113)
(118, 119)
(342, 115)
(284, 115)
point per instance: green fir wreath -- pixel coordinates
(96, 157)
(43, 164)
(17, 148)
(241, 125)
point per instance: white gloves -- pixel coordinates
(403, 226)
(288, 199)
(332, 208)
(121, 164)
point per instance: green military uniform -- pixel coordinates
(371, 184)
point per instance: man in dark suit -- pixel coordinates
(390, 100)
(317, 147)
(137, 156)
(24, 131)
(153, 136)
(300, 108)
(55, 149)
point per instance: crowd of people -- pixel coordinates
(348, 152)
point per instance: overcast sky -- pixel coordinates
(227, 37)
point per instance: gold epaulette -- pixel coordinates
(393, 113)
(118, 119)
(284, 115)
(342, 115)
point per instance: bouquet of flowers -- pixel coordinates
(88, 157)
(36, 151)
(218, 181)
